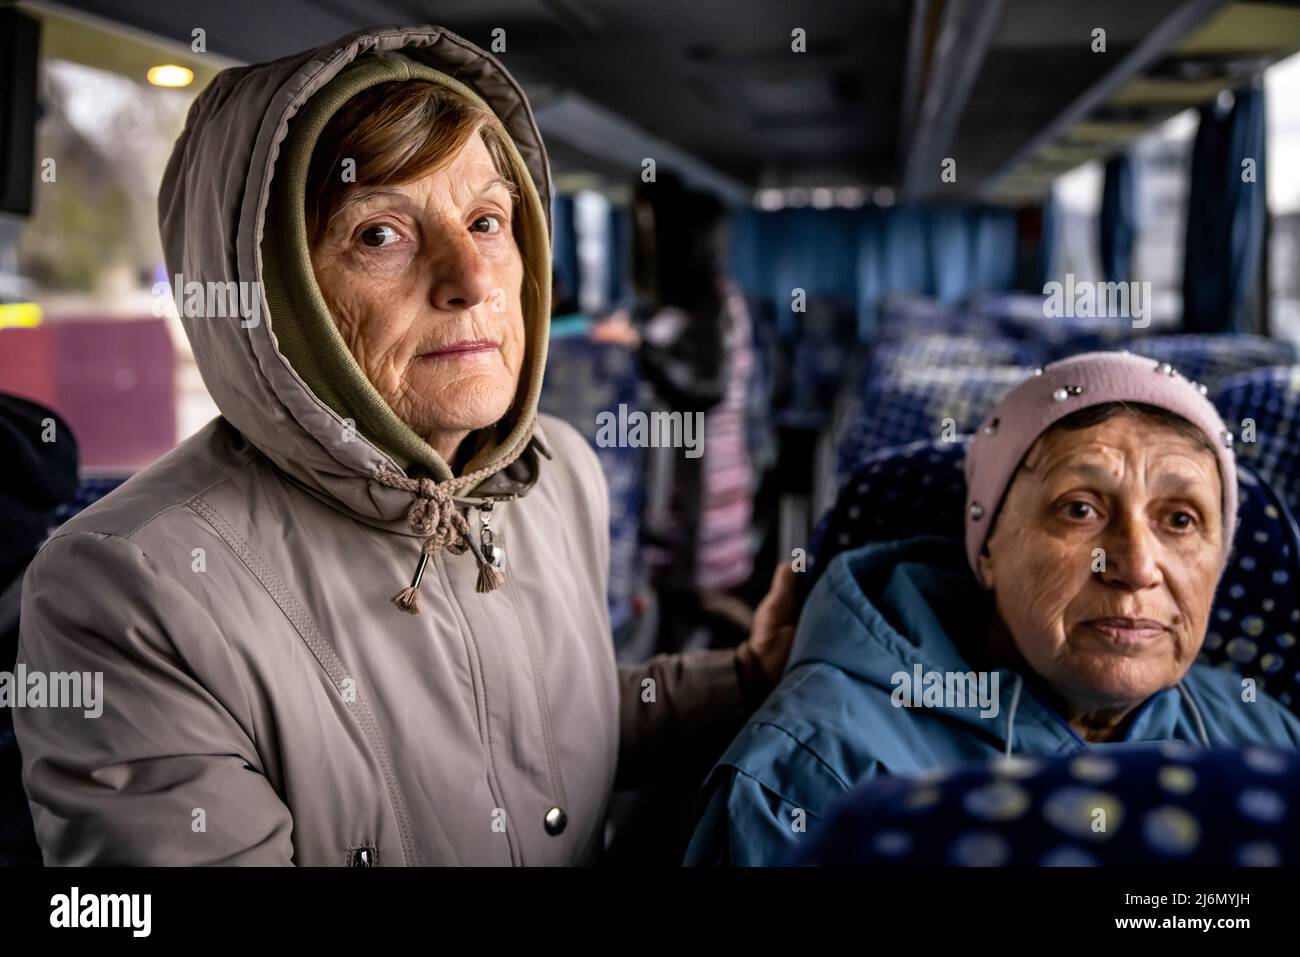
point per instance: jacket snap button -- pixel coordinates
(362, 857)
(556, 821)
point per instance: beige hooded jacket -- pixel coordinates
(264, 701)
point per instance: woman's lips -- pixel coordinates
(1127, 630)
(462, 349)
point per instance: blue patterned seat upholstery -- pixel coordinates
(1023, 318)
(1064, 337)
(584, 378)
(904, 317)
(949, 350)
(1166, 805)
(90, 491)
(910, 403)
(1255, 621)
(1271, 399)
(915, 489)
(1212, 358)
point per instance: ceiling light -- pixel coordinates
(170, 74)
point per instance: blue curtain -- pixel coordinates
(1118, 219)
(995, 237)
(860, 256)
(951, 253)
(564, 255)
(745, 255)
(1048, 240)
(618, 263)
(1226, 215)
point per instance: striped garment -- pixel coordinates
(701, 538)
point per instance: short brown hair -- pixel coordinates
(395, 133)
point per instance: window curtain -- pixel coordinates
(1118, 219)
(564, 257)
(618, 291)
(1226, 215)
(861, 256)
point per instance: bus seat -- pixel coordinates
(912, 403)
(956, 349)
(821, 353)
(1025, 318)
(1169, 804)
(1255, 621)
(90, 490)
(583, 379)
(1063, 337)
(1261, 407)
(1210, 359)
(901, 317)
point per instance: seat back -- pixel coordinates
(1170, 805)
(1209, 359)
(910, 403)
(583, 379)
(1269, 401)
(1030, 318)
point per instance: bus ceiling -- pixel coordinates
(1011, 93)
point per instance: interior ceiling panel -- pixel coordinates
(728, 89)
(715, 78)
(714, 86)
(1229, 48)
(1040, 61)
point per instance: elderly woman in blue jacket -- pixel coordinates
(1101, 508)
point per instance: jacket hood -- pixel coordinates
(890, 615)
(213, 215)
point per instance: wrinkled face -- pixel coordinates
(1144, 499)
(424, 281)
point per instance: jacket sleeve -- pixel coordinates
(162, 770)
(690, 369)
(745, 824)
(679, 708)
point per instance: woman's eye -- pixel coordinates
(492, 224)
(379, 236)
(1078, 509)
(1182, 520)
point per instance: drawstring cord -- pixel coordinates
(1015, 701)
(1011, 715)
(435, 515)
(1196, 714)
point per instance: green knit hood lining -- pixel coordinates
(301, 321)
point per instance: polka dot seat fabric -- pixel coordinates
(1211, 359)
(1167, 805)
(916, 489)
(584, 378)
(1270, 398)
(908, 403)
(1255, 622)
(1256, 617)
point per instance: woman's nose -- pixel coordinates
(461, 279)
(1131, 553)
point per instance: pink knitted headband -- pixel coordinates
(1064, 387)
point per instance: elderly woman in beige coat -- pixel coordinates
(359, 618)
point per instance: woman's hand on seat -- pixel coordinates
(774, 623)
